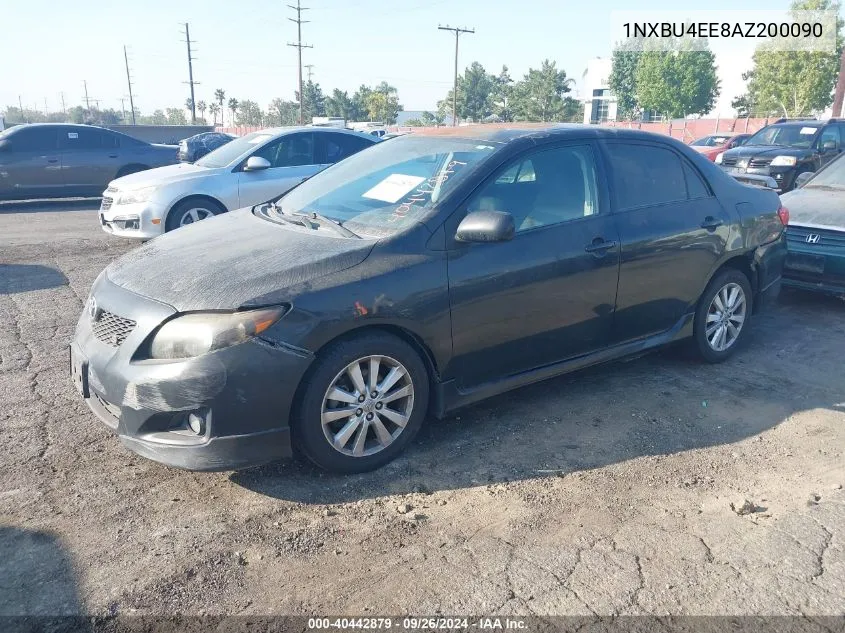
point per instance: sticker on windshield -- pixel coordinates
(73, 135)
(392, 188)
(808, 130)
(259, 139)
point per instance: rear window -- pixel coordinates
(645, 175)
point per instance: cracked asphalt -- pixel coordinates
(603, 492)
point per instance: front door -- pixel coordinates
(673, 232)
(549, 293)
(292, 160)
(31, 165)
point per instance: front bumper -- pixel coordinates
(140, 220)
(243, 394)
(782, 177)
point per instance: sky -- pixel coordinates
(49, 47)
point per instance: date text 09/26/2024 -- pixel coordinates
(417, 624)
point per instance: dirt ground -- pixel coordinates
(604, 492)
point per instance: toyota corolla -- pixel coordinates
(419, 276)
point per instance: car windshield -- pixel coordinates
(389, 186)
(785, 136)
(832, 176)
(226, 154)
(710, 141)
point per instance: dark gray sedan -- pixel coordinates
(49, 160)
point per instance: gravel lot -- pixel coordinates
(603, 492)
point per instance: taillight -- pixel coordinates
(783, 214)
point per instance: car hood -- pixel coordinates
(747, 151)
(816, 206)
(226, 261)
(163, 176)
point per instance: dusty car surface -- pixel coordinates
(816, 235)
(419, 276)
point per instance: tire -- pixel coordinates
(331, 374)
(130, 169)
(190, 211)
(709, 343)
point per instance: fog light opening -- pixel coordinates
(196, 423)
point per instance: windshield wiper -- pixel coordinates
(309, 216)
(287, 217)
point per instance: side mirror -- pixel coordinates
(803, 177)
(486, 226)
(829, 146)
(257, 163)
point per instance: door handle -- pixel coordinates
(711, 224)
(600, 246)
(52, 160)
(112, 155)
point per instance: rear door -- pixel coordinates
(673, 232)
(31, 165)
(90, 159)
(292, 159)
(548, 294)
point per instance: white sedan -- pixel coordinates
(247, 171)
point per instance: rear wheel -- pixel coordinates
(190, 212)
(723, 316)
(362, 404)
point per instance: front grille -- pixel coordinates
(112, 329)
(827, 238)
(106, 204)
(759, 162)
(729, 161)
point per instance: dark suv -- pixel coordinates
(786, 149)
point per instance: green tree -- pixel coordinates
(339, 104)
(429, 119)
(503, 96)
(414, 123)
(540, 95)
(313, 102)
(283, 112)
(175, 116)
(678, 83)
(201, 108)
(249, 113)
(623, 81)
(383, 104)
(189, 105)
(233, 108)
(476, 89)
(360, 111)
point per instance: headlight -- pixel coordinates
(718, 160)
(138, 195)
(784, 161)
(202, 332)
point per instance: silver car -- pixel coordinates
(247, 171)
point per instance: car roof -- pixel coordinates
(562, 131)
(282, 131)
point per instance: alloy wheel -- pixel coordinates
(367, 406)
(194, 215)
(725, 317)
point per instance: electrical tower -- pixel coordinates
(299, 46)
(457, 32)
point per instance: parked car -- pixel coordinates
(249, 170)
(416, 277)
(197, 146)
(816, 234)
(713, 145)
(786, 149)
(51, 160)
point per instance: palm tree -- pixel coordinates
(202, 107)
(214, 109)
(189, 104)
(220, 95)
(233, 106)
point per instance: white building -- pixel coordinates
(599, 102)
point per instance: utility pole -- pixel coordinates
(87, 103)
(20, 107)
(122, 111)
(64, 109)
(46, 112)
(309, 67)
(191, 76)
(457, 32)
(299, 46)
(129, 82)
(839, 92)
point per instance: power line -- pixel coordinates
(299, 46)
(457, 32)
(129, 82)
(191, 76)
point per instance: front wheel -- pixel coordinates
(190, 212)
(362, 404)
(723, 316)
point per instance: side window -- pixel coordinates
(289, 151)
(830, 133)
(695, 185)
(79, 138)
(645, 175)
(35, 139)
(108, 140)
(549, 187)
(336, 147)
